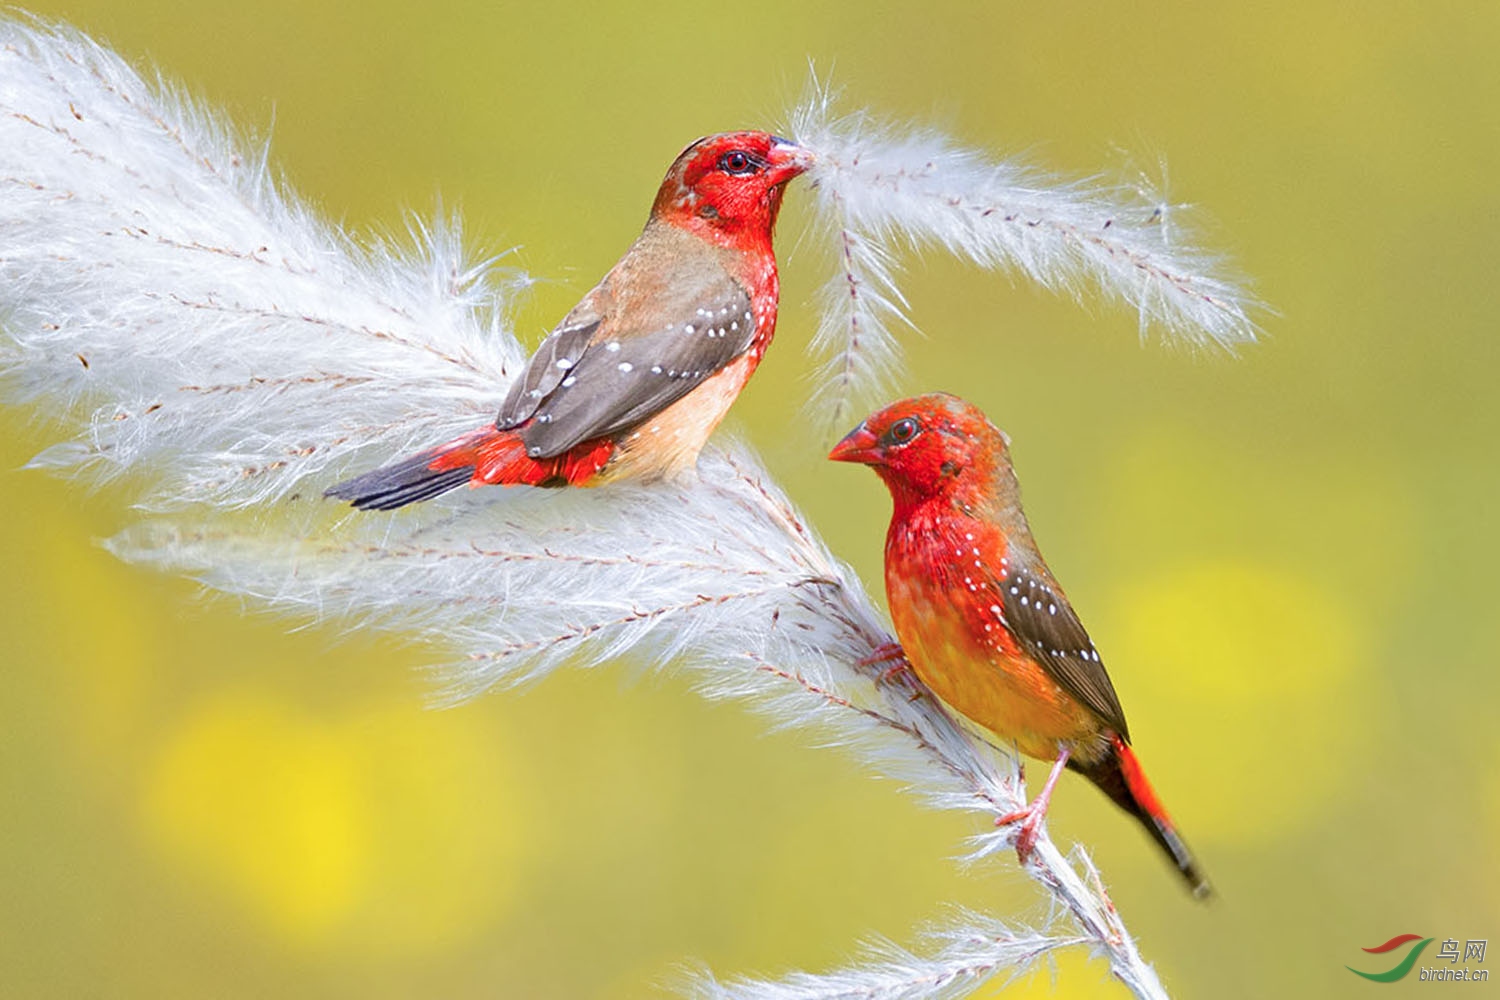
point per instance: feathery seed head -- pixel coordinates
(728, 187)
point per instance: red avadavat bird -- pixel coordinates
(980, 618)
(637, 376)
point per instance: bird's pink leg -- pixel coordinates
(1034, 813)
(885, 654)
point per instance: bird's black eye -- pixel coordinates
(903, 430)
(738, 162)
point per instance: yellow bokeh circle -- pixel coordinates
(387, 830)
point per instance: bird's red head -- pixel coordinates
(728, 187)
(931, 447)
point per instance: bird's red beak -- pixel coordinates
(859, 445)
(787, 160)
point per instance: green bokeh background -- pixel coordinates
(1289, 560)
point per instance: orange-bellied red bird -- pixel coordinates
(637, 376)
(980, 618)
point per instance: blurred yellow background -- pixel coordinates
(1289, 560)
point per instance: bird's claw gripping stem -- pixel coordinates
(884, 653)
(900, 667)
(892, 653)
(1032, 815)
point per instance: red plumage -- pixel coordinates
(636, 377)
(980, 617)
(497, 456)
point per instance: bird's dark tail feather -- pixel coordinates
(400, 483)
(1119, 776)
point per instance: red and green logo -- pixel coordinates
(1402, 967)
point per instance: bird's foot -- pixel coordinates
(1031, 816)
(892, 653)
(885, 653)
(1030, 819)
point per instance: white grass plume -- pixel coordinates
(190, 324)
(154, 280)
(884, 188)
(969, 951)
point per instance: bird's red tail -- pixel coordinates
(1120, 777)
(484, 456)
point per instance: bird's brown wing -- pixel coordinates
(611, 365)
(554, 359)
(1044, 624)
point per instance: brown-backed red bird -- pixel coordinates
(636, 377)
(980, 618)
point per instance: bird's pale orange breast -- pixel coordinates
(667, 444)
(940, 583)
